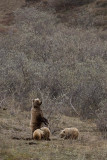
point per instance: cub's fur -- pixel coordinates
(37, 134)
(69, 133)
(46, 133)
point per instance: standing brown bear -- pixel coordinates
(37, 116)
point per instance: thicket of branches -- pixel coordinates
(58, 64)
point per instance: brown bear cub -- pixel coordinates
(69, 133)
(42, 134)
(38, 134)
(37, 116)
(46, 133)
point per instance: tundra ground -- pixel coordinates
(16, 142)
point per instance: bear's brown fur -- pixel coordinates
(46, 133)
(38, 134)
(37, 116)
(69, 133)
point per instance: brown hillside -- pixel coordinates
(57, 52)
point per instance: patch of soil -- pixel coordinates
(8, 19)
(5, 30)
(31, 143)
(21, 138)
(9, 6)
(7, 9)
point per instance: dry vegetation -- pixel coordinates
(57, 51)
(16, 144)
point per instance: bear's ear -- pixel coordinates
(40, 102)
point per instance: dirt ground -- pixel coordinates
(9, 6)
(16, 143)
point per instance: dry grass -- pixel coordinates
(9, 6)
(15, 140)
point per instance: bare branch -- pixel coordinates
(74, 108)
(2, 101)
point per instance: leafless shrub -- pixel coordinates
(102, 118)
(54, 61)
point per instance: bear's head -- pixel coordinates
(62, 134)
(36, 103)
